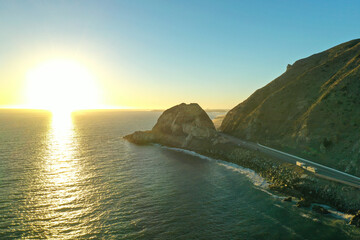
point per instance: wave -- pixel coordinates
(255, 178)
(335, 213)
(308, 216)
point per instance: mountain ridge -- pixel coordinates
(311, 109)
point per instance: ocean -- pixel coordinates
(77, 178)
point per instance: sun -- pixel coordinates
(61, 86)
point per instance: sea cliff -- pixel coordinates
(187, 126)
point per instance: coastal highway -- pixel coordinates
(321, 170)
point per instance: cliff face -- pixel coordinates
(313, 109)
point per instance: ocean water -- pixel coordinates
(76, 178)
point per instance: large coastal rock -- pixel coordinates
(177, 126)
(311, 110)
(184, 120)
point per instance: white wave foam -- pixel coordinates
(341, 215)
(335, 213)
(309, 217)
(256, 179)
(279, 206)
(270, 193)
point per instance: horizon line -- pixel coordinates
(106, 108)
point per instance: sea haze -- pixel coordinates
(79, 179)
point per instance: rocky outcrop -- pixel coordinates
(355, 220)
(311, 110)
(287, 199)
(141, 137)
(303, 203)
(320, 209)
(177, 126)
(185, 120)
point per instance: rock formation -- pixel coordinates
(177, 126)
(355, 220)
(185, 120)
(320, 209)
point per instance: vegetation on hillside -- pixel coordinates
(313, 109)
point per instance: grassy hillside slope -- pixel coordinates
(312, 110)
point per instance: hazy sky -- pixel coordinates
(155, 54)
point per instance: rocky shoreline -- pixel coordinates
(188, 127)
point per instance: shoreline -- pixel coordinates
(188, 127)
(261, 183)
(284, 178)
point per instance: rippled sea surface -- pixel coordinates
(76, 178)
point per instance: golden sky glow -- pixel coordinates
(147, 55)
(61, 86)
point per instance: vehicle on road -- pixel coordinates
(308, 168)
(311, 169)
(300, 164)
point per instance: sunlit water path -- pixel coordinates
(76, 178)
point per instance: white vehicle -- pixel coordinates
(303, 165)
(311, 169)
(300, 164)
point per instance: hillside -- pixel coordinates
(312, 110)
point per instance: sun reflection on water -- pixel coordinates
(62, 146)
(61, 201)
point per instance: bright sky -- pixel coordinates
(158, 53)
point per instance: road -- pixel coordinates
(321, 170)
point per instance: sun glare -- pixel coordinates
(61, 86)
